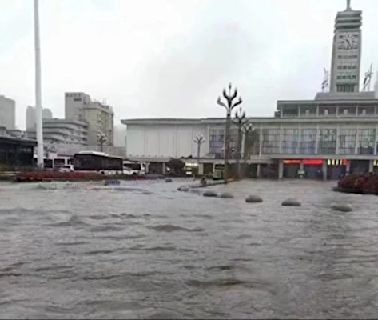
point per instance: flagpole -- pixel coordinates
(38, 89)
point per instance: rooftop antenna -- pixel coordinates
(38, 90)
(368, 78)
(349, 5)
(376, 86)
(325, 83)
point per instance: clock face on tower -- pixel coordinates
(348, 41)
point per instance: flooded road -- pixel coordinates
(149, 251)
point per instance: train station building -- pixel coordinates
(333, 134)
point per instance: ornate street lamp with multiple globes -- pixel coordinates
(229, 101)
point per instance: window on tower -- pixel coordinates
(345, 88)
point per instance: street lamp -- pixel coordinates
(239, 119)
(101, 138)
(230, 101)
(198, 140)
(247, 128)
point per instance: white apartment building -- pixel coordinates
(99, 117)
(61, 134)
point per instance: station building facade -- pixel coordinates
(333, 134)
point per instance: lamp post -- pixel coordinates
(230, 101)
(240, 120)
(38, 86)
(199, 140)
(247, 128)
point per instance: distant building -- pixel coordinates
(119, 136)
(7, 113)
(80, 107)
(31, 117)
(16, 153)
(60, 133)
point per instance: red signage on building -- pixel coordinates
(292, 161)
(313, 162)
(306, 162)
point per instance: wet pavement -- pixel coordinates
(150, 251)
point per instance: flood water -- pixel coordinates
(150, 251)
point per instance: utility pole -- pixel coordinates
(231, 101)
(38, 86)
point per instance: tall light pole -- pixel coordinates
(232, 101)
(38, 87)
(239, 119)
(247, 128)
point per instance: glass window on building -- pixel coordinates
(290, 141)
(307, 141)
(271, 141)
(366, 141)
(327, 141)
(347, 141)
(233, 142)
(216, 142)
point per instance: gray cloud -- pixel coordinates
(172, 58)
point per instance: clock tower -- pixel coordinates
(346, 51)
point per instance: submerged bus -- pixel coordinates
(98, 161)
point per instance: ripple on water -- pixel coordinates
(230, 282)
(172, 228)
(122, 237)
(100, 252)
(74, 221)
(53, 268)
(70, 244)
(107, 228)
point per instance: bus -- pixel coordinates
(63, 164)
(133, 168)
(98, 161)
(56, 163)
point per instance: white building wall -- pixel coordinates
(119, 136)
(31, 117)
(7, 113)
(168, 141)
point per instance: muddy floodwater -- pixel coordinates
(150, 251)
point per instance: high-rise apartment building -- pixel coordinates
(99, 117)
(7, 113)
(31, 117)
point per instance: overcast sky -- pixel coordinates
(171, 58)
